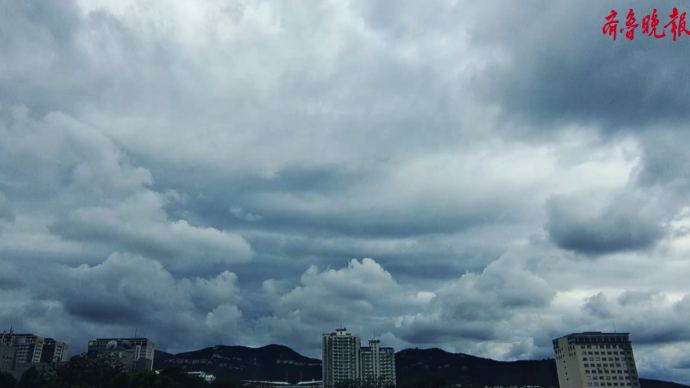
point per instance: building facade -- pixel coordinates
(8, 353)
(29, 348)
(341, 351)
(135, 352)
(33, 349)
(595, 359)
(377, 363)
(54, 351)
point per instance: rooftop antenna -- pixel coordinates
(135, 332)
(614, 327)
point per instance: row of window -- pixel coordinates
(605, 346)
(612, 371)
(604, 365)
(607, 378)
(607, 358)
(612, 385)
(605, 353)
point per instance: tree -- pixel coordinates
(7, 380)
(32, 378)
(225, 383)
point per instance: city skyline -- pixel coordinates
(479, 177)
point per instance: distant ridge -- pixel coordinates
(268, 363)
(281, 363)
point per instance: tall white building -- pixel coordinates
(340, 357)
(377, 363)
(595, 359)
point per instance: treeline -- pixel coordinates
(102, 372)
(99, 372)
(428, 382)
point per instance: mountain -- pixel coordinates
(268, 363)
(280, 363)
(412, 364)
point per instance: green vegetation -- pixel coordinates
(100, 372)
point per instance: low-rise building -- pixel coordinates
(135, 352)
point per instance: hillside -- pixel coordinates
(280, 363)
(272, 362)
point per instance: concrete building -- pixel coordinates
(341, 351)
(54, 351)
(33, 349)
(137, 352)
(377, 363)
(29, 348)
(8, 358)
(595, 359)
(8, 353)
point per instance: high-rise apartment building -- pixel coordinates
(377, 363)
(340, 357)
(138, 352)
(595, 359)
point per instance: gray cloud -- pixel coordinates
(221, 166)
(623, 225)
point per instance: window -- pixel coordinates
(596, 353)
(608, 353)
(586, 365)
(589, 384)
(584, 359)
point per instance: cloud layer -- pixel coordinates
(482, 177)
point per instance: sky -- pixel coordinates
(481, 177)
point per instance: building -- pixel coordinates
(377, 363)
(341, 351)
(54, 351)
(29, 348)
(8, 358)
(33, 349)
(8, 353)
(135, 352)
(595, 359)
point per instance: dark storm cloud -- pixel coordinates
(434, 332)
(577, 226)
(563, 69)
(304, 137)
(10, 277)
(6, 212)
